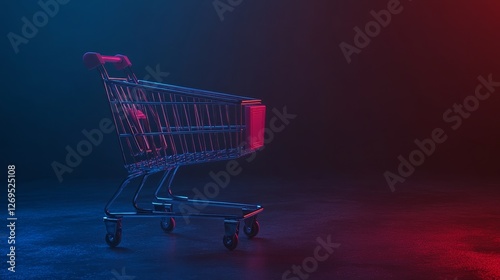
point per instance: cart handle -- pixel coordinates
(93, 60)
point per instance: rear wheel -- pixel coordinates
(253, 230)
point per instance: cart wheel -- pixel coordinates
(230, 242)
(252, 230)
(114, 239)
(167, 224)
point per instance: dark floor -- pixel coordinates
(427, 230)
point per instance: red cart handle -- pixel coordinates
(92, 60)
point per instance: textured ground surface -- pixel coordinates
(429, 230)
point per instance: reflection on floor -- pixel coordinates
(309, 230)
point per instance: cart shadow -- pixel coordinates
(120, 250)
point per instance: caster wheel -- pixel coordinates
(167, 224)
(252, 230)
(114, 239)
(230, 242)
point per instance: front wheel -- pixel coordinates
(230, 242)
(114, 239)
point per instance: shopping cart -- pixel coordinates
(163, 127)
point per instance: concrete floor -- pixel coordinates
(427, 230)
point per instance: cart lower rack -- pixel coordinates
(163, 127)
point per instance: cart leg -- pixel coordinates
(118, 192)
(168, 178)
(230, 239)
(136, 196)
(163, 207)
(164, 179)
(113, 231)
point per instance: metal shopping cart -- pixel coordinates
(163, 127)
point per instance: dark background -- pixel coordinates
(353, 119)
